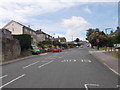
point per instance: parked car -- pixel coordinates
(35, 49)
(56, 50)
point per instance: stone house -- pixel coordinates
(61, 39)
(42, 36)
(16, 29)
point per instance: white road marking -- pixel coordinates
(82, 60)
(30, 65)
(86, 61)
(70, 60)
(45, 64)
(43, 54)
(3, 76)
(89, 60)
(75, 60)
(118, 86)
(12, 81)
(86, 85)
(112, 69)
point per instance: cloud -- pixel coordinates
(87, 10)
(75, 26)
(23, 10)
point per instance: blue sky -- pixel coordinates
(68, 19)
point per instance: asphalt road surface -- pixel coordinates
(73, 68)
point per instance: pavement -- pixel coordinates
(108, 60)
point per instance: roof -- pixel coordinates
(11, 22)
(19, 24)
(41, 32)
(114, 32)
(60, 38)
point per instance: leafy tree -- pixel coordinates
(89, 32)
(102, 38)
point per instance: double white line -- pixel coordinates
(12, 81)
(3, 76)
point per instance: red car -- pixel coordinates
(56, 49)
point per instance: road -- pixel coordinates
(73, 68)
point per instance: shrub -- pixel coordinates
(25, 41)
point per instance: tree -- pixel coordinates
(77, 40)
(97, 35)
(25, 41)
(89, 32)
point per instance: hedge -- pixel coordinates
(25, 40)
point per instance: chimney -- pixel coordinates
(29, 26)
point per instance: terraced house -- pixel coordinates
(42, 36)
(16, 28)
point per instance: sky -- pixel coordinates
(63, 18)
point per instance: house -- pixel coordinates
(42, 36)
(114, 33)
(16, 29)
(6, 33)
(61, 39)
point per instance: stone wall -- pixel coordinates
(0, 47)
(10, 48)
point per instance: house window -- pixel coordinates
(34, 33)
(26, 30)
(12, 29)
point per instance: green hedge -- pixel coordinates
(25, 40)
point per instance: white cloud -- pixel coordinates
(87, 10)
(22, 10)
(75, 26)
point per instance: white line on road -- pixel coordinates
(3, 76)
(112, 69)
(30, 65)
(89, 60)
(86, 85)
(12, 81)
(82, 60)
(43, 54)
(45, 64)
(118, 86)
(75, 60)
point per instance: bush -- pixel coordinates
(25, 41)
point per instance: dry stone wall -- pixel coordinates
(10, 48)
